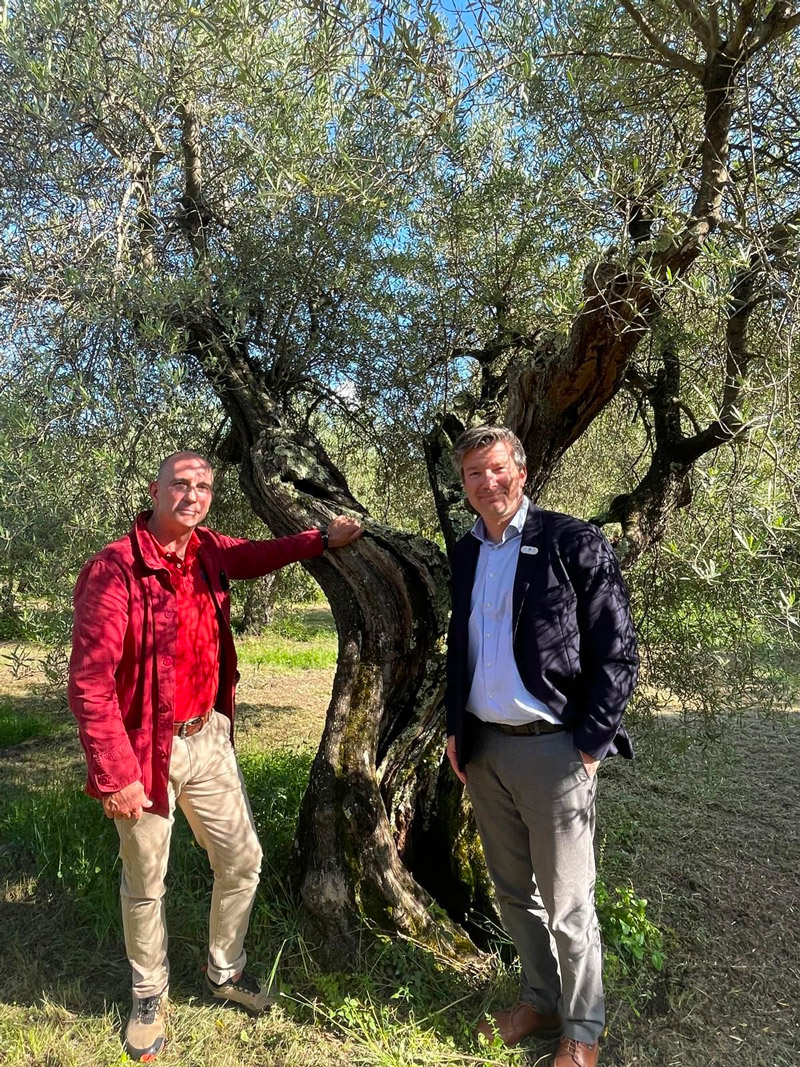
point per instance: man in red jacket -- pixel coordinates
(152, 679)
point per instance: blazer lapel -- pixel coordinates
(531, 558)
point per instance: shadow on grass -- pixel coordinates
(32, 717)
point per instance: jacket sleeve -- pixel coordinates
(252, 559)
(100, 624)
(609, 660)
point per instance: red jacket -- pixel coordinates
(122, 669)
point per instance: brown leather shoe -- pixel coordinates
(522, 1021)
(572, 1053)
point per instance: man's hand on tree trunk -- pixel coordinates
(126, 803)
(342, 530)
(451, 755)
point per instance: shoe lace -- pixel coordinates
(147, 1009)
(571, 1047)
(245, 983)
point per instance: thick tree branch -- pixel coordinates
(645, 511)
(674, 59)
(744, 21)
(713, 19)
(779, 21)
(743, 299)
(194, 215)
(699, 23)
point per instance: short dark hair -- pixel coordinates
(481, 437)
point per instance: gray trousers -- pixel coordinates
(534, 806)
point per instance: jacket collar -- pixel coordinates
(143, 547)
(533, 524)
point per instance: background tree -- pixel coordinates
(377, 217)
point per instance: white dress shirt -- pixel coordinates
(497, 693)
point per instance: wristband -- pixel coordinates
(324, 535)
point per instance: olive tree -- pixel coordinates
(379, 214)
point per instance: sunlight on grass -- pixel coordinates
(301, 639)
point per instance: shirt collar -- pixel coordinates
(514, 528)
(170, 557)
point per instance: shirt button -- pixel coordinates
(167, 661)
(488, 664)
(164, 708)
(491, 574)
(167, 614)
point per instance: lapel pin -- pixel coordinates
(529, 550)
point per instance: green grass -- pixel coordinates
(292, 643)
(18, 726)
(288, 657)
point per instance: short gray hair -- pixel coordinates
(483, 437)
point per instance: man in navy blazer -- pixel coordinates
(541, 663)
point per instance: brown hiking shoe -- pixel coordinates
(243, 990)
(144, 1034)
(522, 1021)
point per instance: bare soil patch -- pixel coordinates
(710, 838)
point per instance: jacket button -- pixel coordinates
(164, 708)
(167, 614)
(167, 661)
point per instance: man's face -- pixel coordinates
(182, 495)
(493, 482)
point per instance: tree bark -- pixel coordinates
(258, 604)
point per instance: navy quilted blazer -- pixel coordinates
(574, 642)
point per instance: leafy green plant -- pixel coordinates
(626, 928)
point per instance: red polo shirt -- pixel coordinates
(197, 643)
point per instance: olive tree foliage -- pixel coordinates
(79, 441)
(366, 226)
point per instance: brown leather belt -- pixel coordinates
(536, 727)
(191, 726)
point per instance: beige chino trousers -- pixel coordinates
(206, 783)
